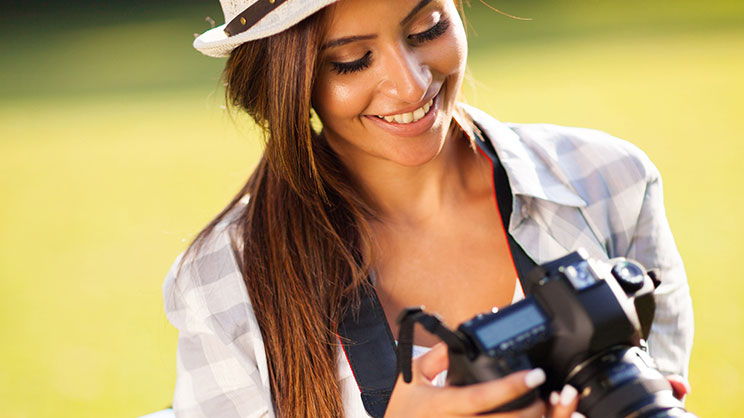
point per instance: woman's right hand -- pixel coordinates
(421, 398)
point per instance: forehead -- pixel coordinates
(347, 17)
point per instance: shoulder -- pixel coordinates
(582, 150)
(204, 291)
(566, 154)
(592, 180)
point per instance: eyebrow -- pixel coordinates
(346, 40)
(349, 39)
(415, 10)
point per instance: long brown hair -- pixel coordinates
(303, 235)
(304, 241)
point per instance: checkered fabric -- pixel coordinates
(572, 188)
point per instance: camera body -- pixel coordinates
(571, 313)
(584, 322)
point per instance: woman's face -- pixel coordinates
(389, 74)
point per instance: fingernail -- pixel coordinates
(577, 415)
(554, 398)
(568, 394)
(534, 378)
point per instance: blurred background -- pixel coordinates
(115, 150)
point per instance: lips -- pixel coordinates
(414, 122)
(409, 117)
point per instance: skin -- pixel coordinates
(438, 222)
(439, 238)
(421, 399)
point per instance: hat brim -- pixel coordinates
(216, 43)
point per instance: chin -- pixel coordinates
(410, 152)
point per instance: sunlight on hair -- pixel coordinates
(502, 12)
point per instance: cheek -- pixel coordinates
(457, 52)
(449, 54)
(336, 100)
(461, 51)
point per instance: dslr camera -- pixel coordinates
(583, 321)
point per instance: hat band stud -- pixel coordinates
(250, 16)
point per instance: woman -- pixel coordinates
(391, 192)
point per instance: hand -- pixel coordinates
(421, 398)
(563, 405)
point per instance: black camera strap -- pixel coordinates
(505, 199)
(370, 349)
(406, 320)
(365, 335)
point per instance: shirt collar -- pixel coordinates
(531, 172)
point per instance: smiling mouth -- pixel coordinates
(409, 117)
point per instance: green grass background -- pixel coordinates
(114, 151)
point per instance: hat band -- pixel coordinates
(250, 16)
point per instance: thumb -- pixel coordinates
(432, 363)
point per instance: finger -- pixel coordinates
(430, 364)
(489, 395)
(564, 405)
(536, 410)
(680, 385)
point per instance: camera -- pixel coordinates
(583, 321)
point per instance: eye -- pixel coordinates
(432, 33)
(352, 66)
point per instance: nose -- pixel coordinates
(406, 77)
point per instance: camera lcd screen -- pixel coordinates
(508, 326)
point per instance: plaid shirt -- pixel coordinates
(572, 188)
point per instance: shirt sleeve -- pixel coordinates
(652, 244)
(219, 346)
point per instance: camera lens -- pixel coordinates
(621, 382)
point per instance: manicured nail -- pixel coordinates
(568, 394)
(534, 378)
(554, 398)
(577, 415)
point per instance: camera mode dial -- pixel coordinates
(629, 275)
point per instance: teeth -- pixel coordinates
(410, 116)
(419, 113)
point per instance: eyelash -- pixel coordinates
(350, 67)
(429, 35)
(432, 33)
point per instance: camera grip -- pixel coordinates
(464, 371)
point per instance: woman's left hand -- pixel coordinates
(564, 405)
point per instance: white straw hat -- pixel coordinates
(247, 20)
